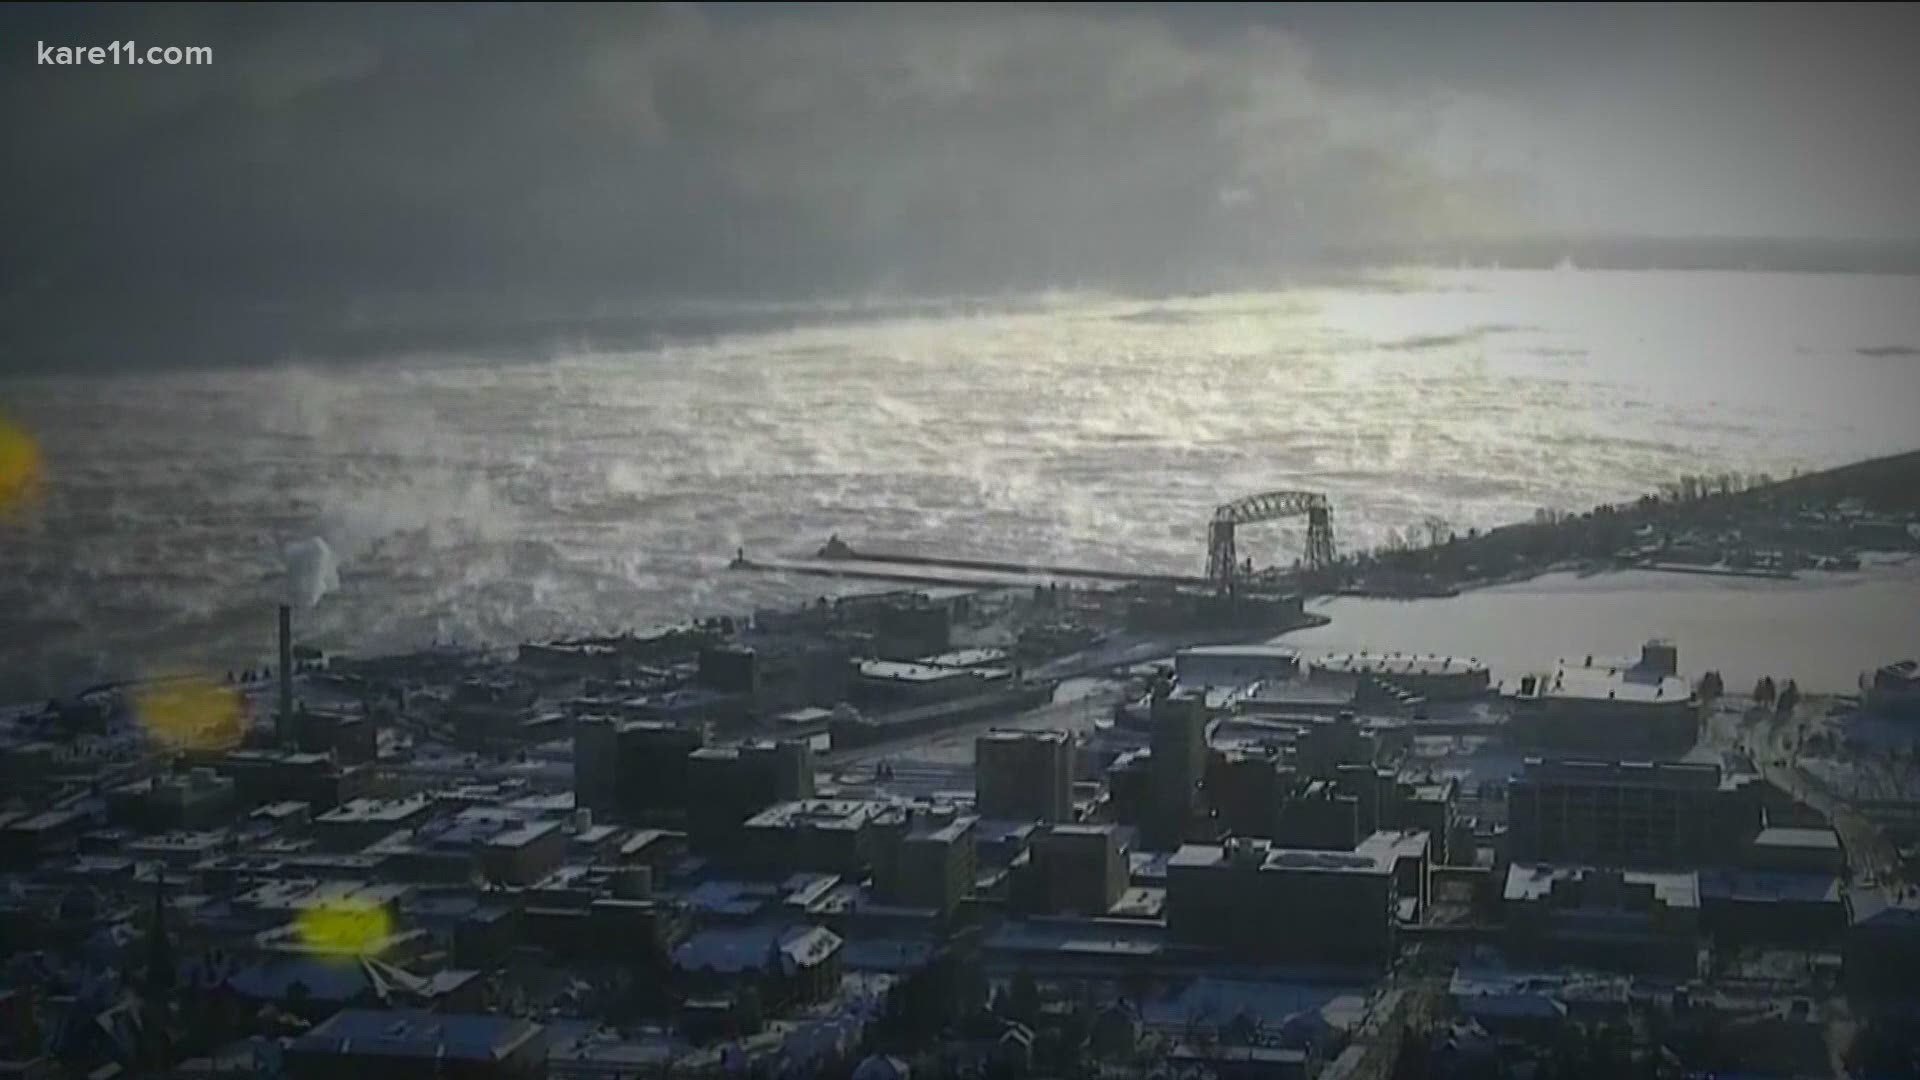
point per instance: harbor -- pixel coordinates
(1054, 771)
(1048, 542)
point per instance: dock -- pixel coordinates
(881, 572)
(1716, 570)
(839, 552)
(837, 560)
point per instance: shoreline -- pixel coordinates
(1822, 629)
(1315, 605)
(1821, 512)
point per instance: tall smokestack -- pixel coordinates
(283, 724)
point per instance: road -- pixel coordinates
(955, 745)
(1126, 650)
(1766, 738)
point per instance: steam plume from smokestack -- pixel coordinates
(284, 722)
(312, 572)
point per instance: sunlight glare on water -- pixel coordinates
(589, 491)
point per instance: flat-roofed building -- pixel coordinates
(998, 842)
(1130, 787)
(811, 723)
(265, 776)
(1616, 706)
(1882, 949)
(932, 864)
(579, 658)
(197, 799)
(1176, 767)
(1634, 920)
(1319, 817)
(1430, 676)
(1431, 806)
(356, 823)
(968, 658)
(1259, 902)
(1328, 742)
(1080, 869)
(1627, 813)
(903, 683)
(180, 849)
(777, 672)
(1245, 787)
(656, 848)
(633, 768)
(1024, 775)
(1410, 853)
(523, 854)
(1796, 850)
(1770, 907)
(729, 784)
(834, 836)
(1234, 665)
(1375, 791)
(904, 623)
(1894, 690)
(596, 763)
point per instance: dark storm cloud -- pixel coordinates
(362, 174)
(366, 167)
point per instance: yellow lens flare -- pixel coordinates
(190, 712)
(345, 928)
(20, 470)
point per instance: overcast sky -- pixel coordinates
(360, 166)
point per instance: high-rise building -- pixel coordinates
(1430, 808)
(596, 754)
(729, 784)
(1178, 764)
(1319, 818)
(1328, 742)
(1130, 787)
(1024, 775)
(1260, 902)
(1077, 868)
(1245, 786)
(633, 768)
(777, 672)
(931, 864)
(1375, 793)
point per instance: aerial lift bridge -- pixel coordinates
(1223, 566)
